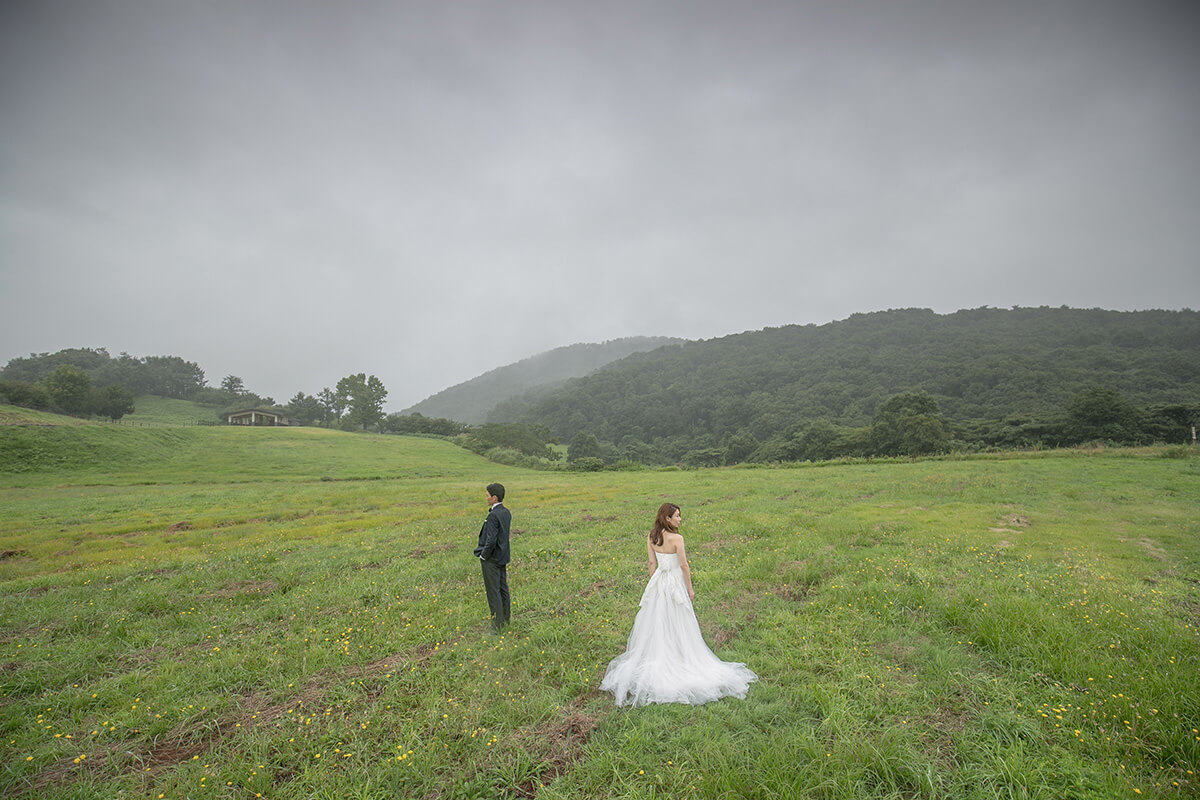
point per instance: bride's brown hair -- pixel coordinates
(662, 522)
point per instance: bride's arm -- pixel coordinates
(651, 561)
(683, 567)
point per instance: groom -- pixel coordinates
(493, 556)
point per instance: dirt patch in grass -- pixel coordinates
(194, 737)
(1188, 610)
(235, 588)
(570, 600)
(799, 582)
(903, 655)
(421, 552)
(146, 759)
(716, 635)
(1152, 549)
(386, 666)
(795, 594)
(555, 744)
(732, 611)
(141, 658)
(940, 728)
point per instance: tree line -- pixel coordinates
(89, 382)
(895, 383)
(354, 404)
(976, 379)
(86, 382)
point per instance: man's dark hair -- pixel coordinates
(496, 490)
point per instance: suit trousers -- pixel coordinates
(495, 581)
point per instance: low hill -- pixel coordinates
(15, 415)
(984, 363)
(473, 400)
(154, 410)
(37, 451)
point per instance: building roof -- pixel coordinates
(274, 412)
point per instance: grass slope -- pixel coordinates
(16, 415)
(1008, 627)
(154, 410)
(118, 454)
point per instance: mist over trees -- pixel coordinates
(166, 376)
(471, 401)
(894, 383)
(900, 382)
(85, 381)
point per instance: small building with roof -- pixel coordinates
(257, 416)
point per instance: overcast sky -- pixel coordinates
(292, 192)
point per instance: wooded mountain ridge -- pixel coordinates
(471, 401)
(898, 382)
(978, 364)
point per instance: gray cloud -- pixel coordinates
(292, 192)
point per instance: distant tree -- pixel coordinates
(234, 385)
(1172, 423)
(1101, 413)
(125, 370)
(908, 424)
(816, 442)
(113, 401)
(633, 449)
(171, 376)
(582, 445)
(24, 394)
(304, 409)
(739, 447)
(212, 396)
(852, 443)
(38, 366)
(418, 423)
(257, 400)
(588, 464)
(530, 440)
(70, 389)
(363, 398)
(704, 457)
(332, 406)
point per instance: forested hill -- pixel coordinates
(471, 401)
(984, 363)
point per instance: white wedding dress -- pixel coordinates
(666, 659)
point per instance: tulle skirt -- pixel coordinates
(666, 659)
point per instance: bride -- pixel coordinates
(666, 659)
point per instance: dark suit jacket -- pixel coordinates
(493, 536)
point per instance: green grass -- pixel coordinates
(99, 453)
(215, 612)
(15, 415)
(153, 410)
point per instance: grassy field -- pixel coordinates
(150, 410)
(203, 612)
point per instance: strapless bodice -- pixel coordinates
(667, 561)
